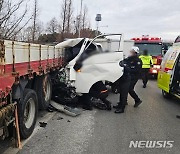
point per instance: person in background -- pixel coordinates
(147, 63)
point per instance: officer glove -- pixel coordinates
(121, 63)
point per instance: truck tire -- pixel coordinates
(166, 95)
(27, 113)
(43, 88)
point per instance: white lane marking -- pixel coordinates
(45, 118)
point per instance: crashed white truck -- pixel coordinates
(87, 66)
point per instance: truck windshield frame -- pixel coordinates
(88, 52)
(177, 40)
(154, 49)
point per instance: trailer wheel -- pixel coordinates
(27, 113)
(166, 95)
(43, 88)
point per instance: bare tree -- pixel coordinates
(64, 15)
(52, 26)
(32, 32)
(82, 23)
(85, 17)
(69, 15)
(28, 32)
(11, 18)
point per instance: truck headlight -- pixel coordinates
(157, 66)
(154, 71)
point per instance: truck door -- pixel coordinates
(176, 77)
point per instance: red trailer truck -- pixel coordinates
(25, 82)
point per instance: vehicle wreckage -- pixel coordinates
(30, 73)
(86, 67)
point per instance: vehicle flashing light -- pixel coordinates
(156, 66)
(147, 38)
(154, 71)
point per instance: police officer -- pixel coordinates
(132, 69)
(147, 62)
(135, 72)
(123, 87)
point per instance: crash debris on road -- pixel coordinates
(66, 109)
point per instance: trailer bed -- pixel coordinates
(18, 59)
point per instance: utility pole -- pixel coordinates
(34, 20)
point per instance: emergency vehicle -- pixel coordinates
(154, 45)
(169, 74)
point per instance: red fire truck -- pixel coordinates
(154, 45)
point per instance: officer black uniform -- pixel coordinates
(123, 88)
(135, 70)
(132, 70)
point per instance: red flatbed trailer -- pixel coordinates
(25, 81)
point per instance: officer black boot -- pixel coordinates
(108, 104)
(119, 110)
(116, 106)
(137, 103)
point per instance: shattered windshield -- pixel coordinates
(72, 52)
(91, 50)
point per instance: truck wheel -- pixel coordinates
(43, 88)
(166, 95)
(27, 113)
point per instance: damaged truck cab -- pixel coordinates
(87, 63)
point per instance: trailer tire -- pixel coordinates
(43, 88)
(27, 113)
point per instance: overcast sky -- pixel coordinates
(159, 18)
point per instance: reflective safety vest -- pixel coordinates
(146, 61)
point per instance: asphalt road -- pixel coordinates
(103, 132)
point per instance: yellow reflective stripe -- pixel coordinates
(146, 66)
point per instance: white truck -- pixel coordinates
(96, 65)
